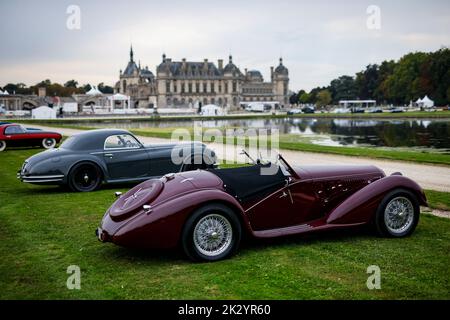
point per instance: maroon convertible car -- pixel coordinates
(207, 211)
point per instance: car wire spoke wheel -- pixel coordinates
(85, 178)
(49, 143)
(213, 235)
(2, 145)
(399, 215)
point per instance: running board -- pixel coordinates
(302, 228)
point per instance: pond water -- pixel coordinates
(418, 133)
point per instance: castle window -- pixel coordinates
(220, 87)
(205, 87)
(226, 87)
(234, 86)
(197, 87)
(190, 87)
(124, 85)
(182, 88)
(175, 89)
(168, 86)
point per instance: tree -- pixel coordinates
(323, 98)
(304, 98)
(87, 87)
(105, 89)
(343, 88)
(293, 99)
(367, 81)
(71, 84)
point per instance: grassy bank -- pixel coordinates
(43, 230)
(156, 118)
(438, 200)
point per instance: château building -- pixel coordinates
(193, 84)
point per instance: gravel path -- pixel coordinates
(431, 177)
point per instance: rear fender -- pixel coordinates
(362, 205)
(88, 158)
(167, 219)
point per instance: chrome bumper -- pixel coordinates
(40, 179)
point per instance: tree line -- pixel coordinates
(392, 82)
(55, 89)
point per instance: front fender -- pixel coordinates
(163, 226)
(362, 205)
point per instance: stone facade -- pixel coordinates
(193, 84)
(138, 83)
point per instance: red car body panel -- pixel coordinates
(28, 138)
(315, 198)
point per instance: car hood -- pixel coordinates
(315, 172)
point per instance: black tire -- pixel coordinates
(2, 145)
(200, 218)
(48, 143)
(84, 177)
(408, 200)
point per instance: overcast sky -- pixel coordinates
(318, 40)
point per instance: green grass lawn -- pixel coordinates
(43, 230)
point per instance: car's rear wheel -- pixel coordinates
(49, 143)
(2, 145)
(398, 214)
(212, 233)
(84, 177)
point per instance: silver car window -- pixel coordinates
(121, 141)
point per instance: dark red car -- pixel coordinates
(16, 135)
(207, 211)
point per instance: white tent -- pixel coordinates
(5, 93)
(427, 102)
(43, 112)
(419, 101)
(211, 110)
(125, 101)
(94, 91)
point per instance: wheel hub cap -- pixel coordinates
(399, 215)
(212, 235)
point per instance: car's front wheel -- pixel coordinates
(49, 143)
(211, 233)
(84, 177)
(2, 145)
(398, 214)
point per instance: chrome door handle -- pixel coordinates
(110, 155)
(283, 195)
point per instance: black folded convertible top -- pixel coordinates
(247, 183)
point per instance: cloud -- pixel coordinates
(318, 40)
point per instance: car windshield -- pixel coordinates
(69, 143)
(272, 159)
